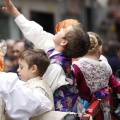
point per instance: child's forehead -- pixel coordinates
(69, 28)
(20, 61)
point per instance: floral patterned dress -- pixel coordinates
(65, 96)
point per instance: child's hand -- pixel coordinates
(10, 8)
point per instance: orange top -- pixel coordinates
(1, 61)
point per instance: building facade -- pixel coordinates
(45, 12)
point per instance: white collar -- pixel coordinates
(33, 83)
(35, 79)
(54, 53)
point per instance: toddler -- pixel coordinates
(31, 96)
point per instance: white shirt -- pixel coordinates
(21, 102)
(55, 75)
(103, 58)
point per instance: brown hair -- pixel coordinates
(78, 42)
(36, 57)
(95, 41)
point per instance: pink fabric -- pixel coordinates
(114, 84)
(84, 89)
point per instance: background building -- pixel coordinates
(49, 12)
(45, 12)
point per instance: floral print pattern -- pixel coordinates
(66, 95)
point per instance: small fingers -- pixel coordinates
(7, 2)
(5, 9)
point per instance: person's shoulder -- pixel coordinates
(54, 66)
(103, 58)
(7, 73)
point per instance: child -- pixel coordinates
(8, 64)
(32, 66)
(93, 75)
(32, 97)
(68, 43)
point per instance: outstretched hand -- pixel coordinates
(10, 8)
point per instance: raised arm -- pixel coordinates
(31, 30)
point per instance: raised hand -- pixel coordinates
(10, 8)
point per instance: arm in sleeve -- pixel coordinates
(34, 32)
(21, 102)
(55, 77)
(77, 72)
(114, 83)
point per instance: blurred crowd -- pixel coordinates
(111, 50)
(14, 48)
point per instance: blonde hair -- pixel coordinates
(95, 41)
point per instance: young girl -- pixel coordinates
(91, 72)
(68, 43)
(93, 75)
(30, 97)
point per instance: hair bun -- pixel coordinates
(95, 41)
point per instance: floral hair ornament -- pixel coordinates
(3, 49)
(65, 23)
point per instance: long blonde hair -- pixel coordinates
(95, 41)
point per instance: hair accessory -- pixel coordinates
(65, 23)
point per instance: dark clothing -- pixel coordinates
(114, 62)
(14, 69)
(115, 65)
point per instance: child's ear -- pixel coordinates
(100, 49)
(34, 68)
(64, 42)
